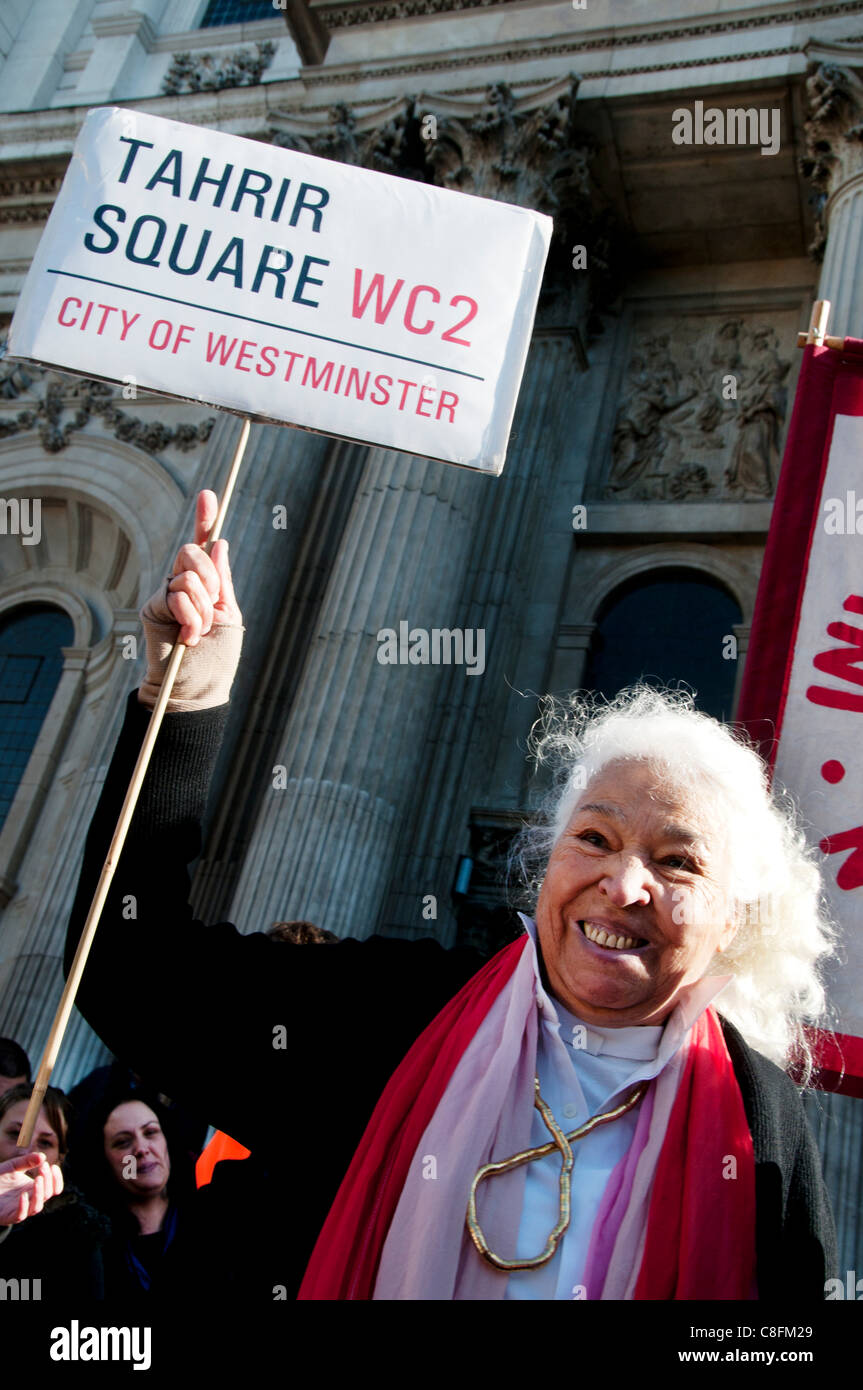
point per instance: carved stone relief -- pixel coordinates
(53, 397)
(702, 412)
(27, 196)
(208, 72)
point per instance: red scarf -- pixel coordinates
(700, 1241)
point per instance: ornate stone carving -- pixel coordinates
(702, 414)
(385, 138)
(526, 150)
(27, 197)
(493, 143)
(834, 136)
(27, 186)
(337, 16)
(208, 72)
(54, 396)
(15, 377)
(341, 16)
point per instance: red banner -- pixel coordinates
(802, 693)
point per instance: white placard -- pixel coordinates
(286, 287)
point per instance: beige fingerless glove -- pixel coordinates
(207, 670)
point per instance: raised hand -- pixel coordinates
(201, 592)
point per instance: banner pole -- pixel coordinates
(817, 333)
(67, 1000)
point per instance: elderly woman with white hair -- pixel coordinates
(600, 1111)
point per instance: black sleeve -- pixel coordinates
(244, 1030)
(795, 1232)
(811, 1231)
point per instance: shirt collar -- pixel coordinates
(641, 1042)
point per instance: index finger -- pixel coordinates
(24, 1161)
(205, 515)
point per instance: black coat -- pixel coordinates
(65, 1247)
(198, 1011)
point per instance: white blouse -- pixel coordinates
(576, 1082)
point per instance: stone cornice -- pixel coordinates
(848, 52)
(346, 16)
(27, 192)
(445, 62)
(343, 16)
(527, 50)
(246, 110)
(677, 518)
(611, 40)
(133, 23)
(338, 16)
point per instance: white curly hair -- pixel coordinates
(775, 890)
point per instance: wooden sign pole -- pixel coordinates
(818, 328)
(64, 1008)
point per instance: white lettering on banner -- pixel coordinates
(286, 287)
(822, 728)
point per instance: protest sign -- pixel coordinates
(801, 697)
(286, 287)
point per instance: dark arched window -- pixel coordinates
(670, 627)
(30, 667)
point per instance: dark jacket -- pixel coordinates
(196, 1253)
(64, 1247)
(198, 1011)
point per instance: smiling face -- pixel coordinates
(644, 867)
(132, 1131)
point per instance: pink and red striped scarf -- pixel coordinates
(677, 1219)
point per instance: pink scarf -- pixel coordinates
(673, 1222)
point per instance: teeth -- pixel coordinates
(610, 940)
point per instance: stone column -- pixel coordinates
(834, 163)
(351, 743)
(285, 532)
(841, 279)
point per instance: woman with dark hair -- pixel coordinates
(60, 1250)
(138, 1173)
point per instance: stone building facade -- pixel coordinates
(641, 468)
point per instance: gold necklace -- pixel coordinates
(560, 1141)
